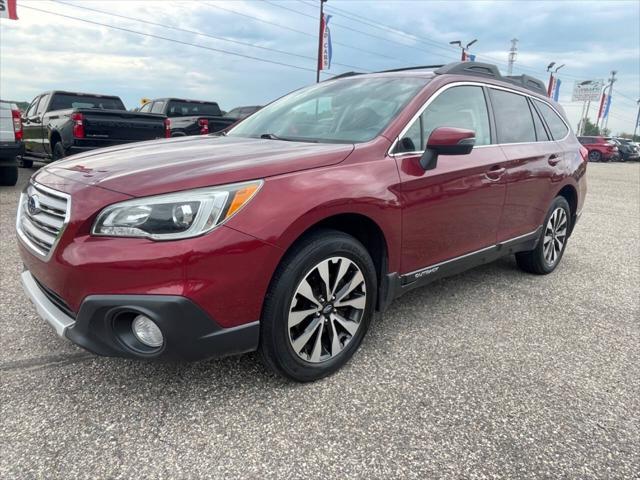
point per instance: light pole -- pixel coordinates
(464, 49)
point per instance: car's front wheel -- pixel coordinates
(319, 306)
(553, 240)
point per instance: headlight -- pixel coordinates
(175, 215)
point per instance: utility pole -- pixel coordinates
(635, 128)
(612, 80)
(513, 53)
(320, 32)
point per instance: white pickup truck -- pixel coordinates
(10, 142)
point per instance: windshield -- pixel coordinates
(62, 101)
(179, 108)
(351, 110)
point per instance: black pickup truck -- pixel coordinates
(189, 117)
(59, 123)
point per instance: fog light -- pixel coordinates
(147, 332)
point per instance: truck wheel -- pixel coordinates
(8, 176)
(58, 151)
(25, 163)
(318, 307)
(553, 240)
(595, 156)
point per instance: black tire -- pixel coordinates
(534, 260)
(25, 163)
(8, 176)
(595, 156)
(58, 151)
(275, 348)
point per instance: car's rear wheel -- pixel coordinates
(58, 151)
(319, 306)
(552, 243)
(595, 156)
(8, 176)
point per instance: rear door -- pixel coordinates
(534, 163)
(455, 208)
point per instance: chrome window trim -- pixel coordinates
(25, 240)
(475, 84)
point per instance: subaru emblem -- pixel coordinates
(33, 205)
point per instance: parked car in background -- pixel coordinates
(188, 117)
(287, 233)
(627, 150)
(600, 149)
(60, 123)
(239, 113)
(10, 142)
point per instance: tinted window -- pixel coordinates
(346, 110)
(514, 122)
(541, 133)
(62, 101)
(179, 108)
(459, 107)
(158, 107)
(146, 108)
(43, 103)
(554, 122)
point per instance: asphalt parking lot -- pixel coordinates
(492, 373)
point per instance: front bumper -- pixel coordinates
(102, 325)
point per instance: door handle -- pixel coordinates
(554, 159)
(495, 173)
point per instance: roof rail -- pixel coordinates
(343, 75)
(470, 68)
(489, 70)
(423, 67)
(527, 82)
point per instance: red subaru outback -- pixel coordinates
(287, 233)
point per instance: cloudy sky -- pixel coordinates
(43, 51)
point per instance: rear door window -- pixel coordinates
(556, 125)
(514, 122)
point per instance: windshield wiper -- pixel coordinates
(273, 136)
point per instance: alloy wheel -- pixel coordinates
(555, 236)
(326, 310)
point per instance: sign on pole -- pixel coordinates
(326, 49)
(8, 9)
(588, 90)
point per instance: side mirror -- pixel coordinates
(447, 141)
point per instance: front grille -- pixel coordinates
(42, 215)
(56, 299)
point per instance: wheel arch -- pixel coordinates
(570, 194)
(54, 137)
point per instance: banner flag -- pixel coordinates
(556, 88)
(8, 9)
(607, 107)
(325, 57)
(603, 101)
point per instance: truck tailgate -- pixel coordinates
(121, 125)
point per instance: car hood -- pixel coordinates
(161, 166)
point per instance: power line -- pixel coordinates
(298, 31)
(195, 32)
(346, 27)
(151, 35)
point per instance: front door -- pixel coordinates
(32, 128)
(455, 208)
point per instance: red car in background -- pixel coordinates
(286, 233)
(600, 149)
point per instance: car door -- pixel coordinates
(534, 163)
(42, 144)
(455, 208)
(32, 128)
